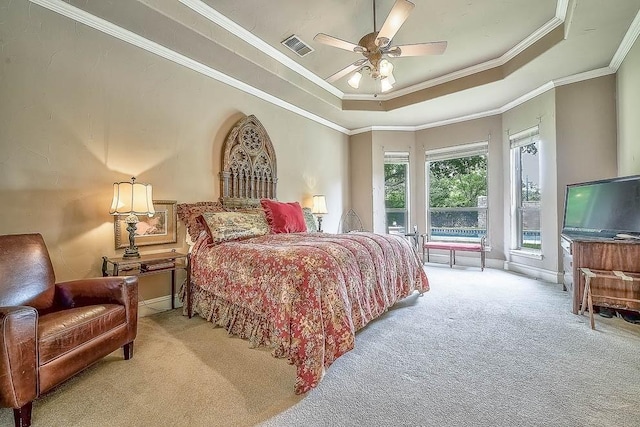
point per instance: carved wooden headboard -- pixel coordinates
(249, 170)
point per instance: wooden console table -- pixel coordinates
(604, 255)
(147, 265)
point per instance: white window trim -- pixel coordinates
(517, 140)
(448, 153)
(400, 157)
(527, 254)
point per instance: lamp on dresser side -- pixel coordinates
(132, 199)
(319, 209)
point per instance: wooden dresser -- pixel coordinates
(601, 254)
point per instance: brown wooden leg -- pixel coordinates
(590, 301)
(22, 416)
(187, 292)
(585, 292)
(173, 289)
(128, 350)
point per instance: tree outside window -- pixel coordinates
(396, 191)
(457, 199)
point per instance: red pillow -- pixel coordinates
(284, 217)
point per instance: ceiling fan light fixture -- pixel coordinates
(354, 80)
(386, 68)
(385, 85)
(376, 47)
(391, 79)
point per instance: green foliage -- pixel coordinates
(395, 185)
(452, 183)
(457, 182)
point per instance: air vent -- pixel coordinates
(298, 46)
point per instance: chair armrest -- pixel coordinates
(99, 290)
(18, 356)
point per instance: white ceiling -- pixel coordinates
(239, 42)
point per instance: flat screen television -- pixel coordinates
(603, 208)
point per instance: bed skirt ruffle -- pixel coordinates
(235, 319)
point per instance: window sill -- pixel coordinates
(526, 254)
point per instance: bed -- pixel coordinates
(273, 280)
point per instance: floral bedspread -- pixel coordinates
(303, 294)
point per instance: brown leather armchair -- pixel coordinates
(51, 331)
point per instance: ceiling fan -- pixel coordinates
(376, 45)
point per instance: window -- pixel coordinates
(525, 165)
(396, 191)
(457, 192)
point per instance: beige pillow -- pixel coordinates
(225, 226)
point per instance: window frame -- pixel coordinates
(449, 153)
(399, 157)
(517, 141)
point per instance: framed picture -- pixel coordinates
(158, 229)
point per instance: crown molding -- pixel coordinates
(587, 75)
(526, 97)
(626, 44)
(213, 15)
(216, 17)
(561, 9)
(127, 36)
(474, 69)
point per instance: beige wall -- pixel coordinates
(628, 109)
(81, 110)
(586, 134)
(361, 175)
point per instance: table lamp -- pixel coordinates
(319, 208)
(132, 199)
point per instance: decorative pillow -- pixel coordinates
(284, 217)
(224, 226)
(309, 220)
(189, 214)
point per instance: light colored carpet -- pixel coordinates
(480, 349)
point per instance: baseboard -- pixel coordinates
(535, 272)
(157, 305)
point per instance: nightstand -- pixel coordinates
(147, 265)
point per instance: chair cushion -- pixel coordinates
(458, 246)
(62, 331)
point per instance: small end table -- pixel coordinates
(147, 265)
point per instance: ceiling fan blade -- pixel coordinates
(332, 41)
(432, 48)
(348, 69)
(399, 13)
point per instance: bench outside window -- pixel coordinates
(452, 247)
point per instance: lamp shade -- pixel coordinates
(386, 68)
(319, 205)
(132, 198)
(385, 85)
(354, 81)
